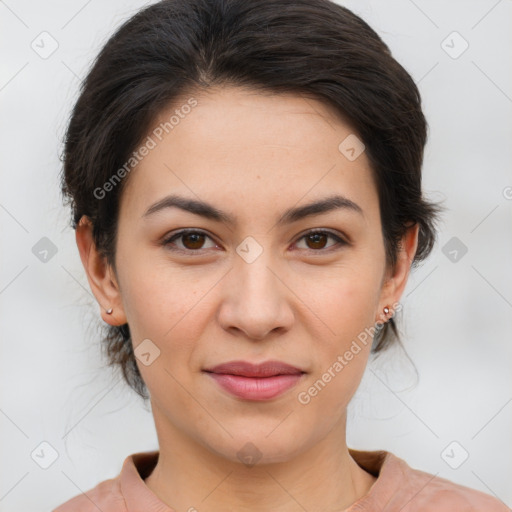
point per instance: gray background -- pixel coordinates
(457, 314)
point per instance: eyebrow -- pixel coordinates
(208, 211)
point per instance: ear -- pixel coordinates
(395, 283)
(100, 275)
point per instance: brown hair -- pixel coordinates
(314, 48)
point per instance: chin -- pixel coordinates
(257, 449)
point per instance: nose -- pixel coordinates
(256, 299)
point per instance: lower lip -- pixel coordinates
(256, 388)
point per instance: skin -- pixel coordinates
(253, 156)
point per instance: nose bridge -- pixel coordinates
(256, 282)
(257, 301)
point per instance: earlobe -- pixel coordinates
(395, 285)
(102, 282)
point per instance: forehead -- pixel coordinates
(249, 148)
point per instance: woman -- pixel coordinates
(245, 183)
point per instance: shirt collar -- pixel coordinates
(389, 470)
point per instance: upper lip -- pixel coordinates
(246, 369)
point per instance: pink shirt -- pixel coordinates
(398, 488)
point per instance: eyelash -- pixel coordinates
(168, 241)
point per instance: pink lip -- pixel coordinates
(256, 382)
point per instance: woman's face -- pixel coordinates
(257, 287)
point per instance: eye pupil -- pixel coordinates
(315, 238)
(197, 240)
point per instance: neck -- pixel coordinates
(323, 478)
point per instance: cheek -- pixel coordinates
(169, 306)
(169, 316)
(346, 305)
(345, 298)
(157, 296)
(341, 353)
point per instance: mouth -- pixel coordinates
(249, 381)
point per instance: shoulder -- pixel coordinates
(106, 496)
(429, 493)
(402, 488)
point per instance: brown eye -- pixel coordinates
(191, 241)
(317, 240)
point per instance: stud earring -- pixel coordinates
(109, 311)
(386, 310)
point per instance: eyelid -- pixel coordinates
(341, 241)
(335, 234)
(166, 241)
